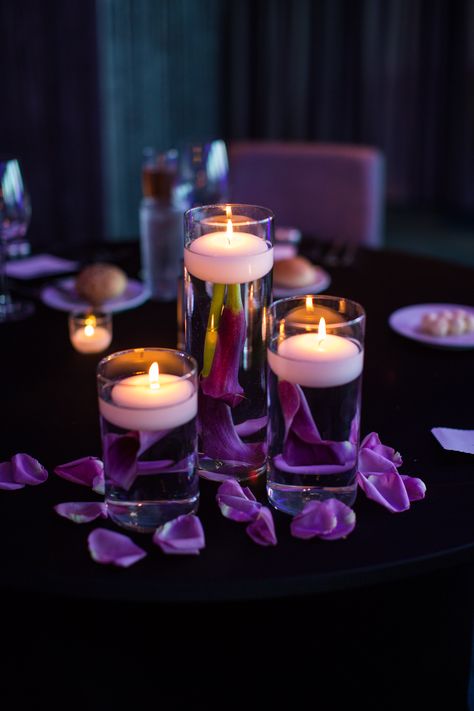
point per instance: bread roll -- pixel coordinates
(295, 272)
(99, 282)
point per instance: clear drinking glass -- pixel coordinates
(228, 259)
(315, 363)
(15, 212)
(148, 407)
(204, 173)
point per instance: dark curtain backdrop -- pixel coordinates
(398, 74)
(49, 114)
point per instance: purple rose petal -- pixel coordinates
(236, 503)
(110, 547)
(387, 489)
(222, 382)
(82, 511)
(7, 481)
(183, 535)
(262, 529)
(88, 471)
(415, 488)
(372, 442)
(27, 470)
(329, 520)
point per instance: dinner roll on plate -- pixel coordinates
(294, 272)
(100, 282)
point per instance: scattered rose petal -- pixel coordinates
(27, 470)
(82, 511)
(110, 547)
(88, 471)
(237, 503)
(385, 488)
(329, 520)
(372, 442)
(183, 535)
(262, 528)
(6, 477)
(415, 488)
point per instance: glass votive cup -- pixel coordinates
(91, 331)
(315, 364)
(148, 402)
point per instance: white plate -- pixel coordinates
(63, 296)
(406, 322)
(322, 282)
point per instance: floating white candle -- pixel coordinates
(91, 338)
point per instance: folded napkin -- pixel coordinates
(455, 440)
(41, 265)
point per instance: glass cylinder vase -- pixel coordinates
(228, 260)
(315, 363)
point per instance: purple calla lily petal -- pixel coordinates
(222, 382)
(183, 535)
(88, 471)
(319, 469)
(372, 442)
(82, 511)
(120, 458)
(219, 440)
(386, 489)
(415, 488)
(7, 481)
(236, 503)
(27, 470)
(110, 547)
(251, 427)
(329, 520)
(262, 529)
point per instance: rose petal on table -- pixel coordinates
(345, 520)
(262, 529)
(373, 462)
(387, 489)
(81, 511)
(183, 535)
(87, 471)
(236, 503)
(110, 547)
(6, 477)
(316, 519)
(415, 488)
(372, 442)
(27, 470)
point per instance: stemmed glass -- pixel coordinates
(15, 214)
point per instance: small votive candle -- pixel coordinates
(90, 332)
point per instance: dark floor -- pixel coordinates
(446, 236)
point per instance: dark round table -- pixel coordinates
(395, 595)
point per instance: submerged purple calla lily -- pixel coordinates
(183, 535)
(380, 480)
(21, 470)
(219, 439)
(262, 529)
(303, 445)
(330, 520)
(237, 503)
(82, 511)
(109, 547)
(121, 453)
(222, 382)
(87, 471)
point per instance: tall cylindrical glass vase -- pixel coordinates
(228, 260)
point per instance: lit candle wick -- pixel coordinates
(228, 211)
(154, 376)
(321, 332)
(309, 303)
(229, 232)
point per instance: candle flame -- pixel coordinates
(89, 325)
(321, 331)
(154, 376)
(309, 303)
(228, 211)
(229, 231)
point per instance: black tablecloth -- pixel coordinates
(393, 570)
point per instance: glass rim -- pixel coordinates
(181, 354)
(324, 297)
(270, 215)
(82, 315)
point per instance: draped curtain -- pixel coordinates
(397, 74)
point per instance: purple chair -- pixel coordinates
(334, 192)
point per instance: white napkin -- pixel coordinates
(39, 266)
(455, 440)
